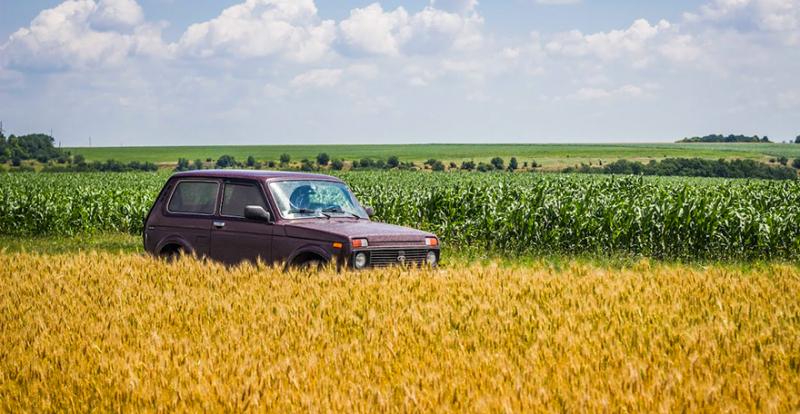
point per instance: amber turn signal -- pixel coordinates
(337, 245)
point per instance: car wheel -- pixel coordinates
(312, 265)
(173, 254)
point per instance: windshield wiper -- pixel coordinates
(339, 210)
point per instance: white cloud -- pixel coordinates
(117, 15)
(81, 33)
(317, 78)
(455, 6)
(373, 31)
(608, 45)
(262, 28)
(595, 93)
(780, 17)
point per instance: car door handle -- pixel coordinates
(219, 224)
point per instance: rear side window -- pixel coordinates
(195, 197)
(239, 195)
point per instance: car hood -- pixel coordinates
(377, 233)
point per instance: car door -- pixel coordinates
(235, 238)
(187, 216)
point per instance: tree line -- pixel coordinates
(695, 167)
(39, 147)
(718, 138)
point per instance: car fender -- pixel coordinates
(310, 248)
(174, 239)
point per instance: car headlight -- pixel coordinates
(360, 243)
(361, 261)
(431, 258)
(431, 241)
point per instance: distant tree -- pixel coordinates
(783, 160)
(393, 162)
(512, 164)
(78, 159)
(437, 166)
(285, 158)
(251, 161)
(797, 140)
(535, 164)
(430, 162)
(453, 165)
(483, 167)
(183, 164)
(209, 159)
(497, 162)
(306, 165)
(796, 163)
(271, 164)
(716, 138)
(337, 164)
(468, 165)
(365, 163)
(198, 164)
(323, 159)
(226, 161)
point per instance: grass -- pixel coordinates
(548, 155)
(127, 333)
(102, 242)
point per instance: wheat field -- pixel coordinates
(112, 332)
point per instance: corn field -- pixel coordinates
(105, 332)
(671, 218)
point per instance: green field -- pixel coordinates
(548, 155)
(538, 214)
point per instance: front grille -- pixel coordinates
(398, 257)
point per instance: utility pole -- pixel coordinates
(1, 128)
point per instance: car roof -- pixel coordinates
(255, 175)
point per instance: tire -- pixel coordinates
(173, 254)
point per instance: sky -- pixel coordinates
(202, 72)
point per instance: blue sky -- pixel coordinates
(173, 72)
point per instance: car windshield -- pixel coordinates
(309, 198)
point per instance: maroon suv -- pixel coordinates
(278, 217)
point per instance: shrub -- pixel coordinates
(497, 162)
(512, 164)
(226, 161)
(183, 164)
(393, 162)
(323, 159)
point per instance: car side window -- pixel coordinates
(195, 197)
(239, 195)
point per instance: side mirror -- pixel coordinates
(370, 211)
(257, 213)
